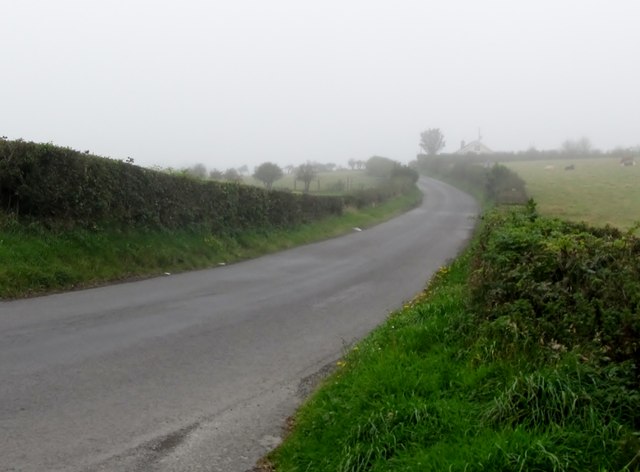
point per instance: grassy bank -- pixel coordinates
(596, 191)
(36, 260)
(522, 355)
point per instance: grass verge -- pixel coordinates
(494, 366)
(34, 260)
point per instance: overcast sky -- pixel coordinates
(234, 82)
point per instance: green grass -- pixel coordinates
(34, 260)
(598, 191)
(326, 183)
(442, 387)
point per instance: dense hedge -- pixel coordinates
(560, 285)
(61, 186)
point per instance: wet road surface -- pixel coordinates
(198, 371)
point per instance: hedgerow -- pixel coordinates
(560, 286)
(62, 187)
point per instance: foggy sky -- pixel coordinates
(236, 82)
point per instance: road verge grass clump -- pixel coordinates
(522, 355)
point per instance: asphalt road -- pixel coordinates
(198, 371)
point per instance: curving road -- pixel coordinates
(198, 371)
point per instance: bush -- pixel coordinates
(564, 286)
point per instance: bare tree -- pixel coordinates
(580, 147)
(432, 141)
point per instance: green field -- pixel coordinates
(326, 183)
(598, 192)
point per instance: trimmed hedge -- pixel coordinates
(63, 187)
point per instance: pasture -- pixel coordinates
(597, 191)
(325, 183)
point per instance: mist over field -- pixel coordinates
(238, 83)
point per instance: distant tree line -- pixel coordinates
(432, 142)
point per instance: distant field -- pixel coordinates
(327, 183)
(597, 191)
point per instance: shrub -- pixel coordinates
(565, 286)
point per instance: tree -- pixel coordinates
(432, 141)
(232, 175)
(268, 173)
(580, 147)
(215, 174)
(381, 167)
(306, 173)
(243, 169)
(199, 171)
(352, 163)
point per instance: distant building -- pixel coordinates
(474, 147)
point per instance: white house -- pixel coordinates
(474, 147)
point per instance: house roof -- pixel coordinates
(475, 147)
